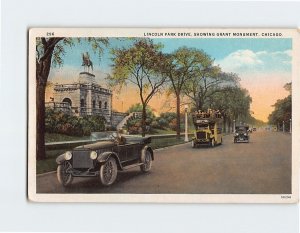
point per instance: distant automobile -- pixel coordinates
(241, 134)
(254, 129)
(104, 159)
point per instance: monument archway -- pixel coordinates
(67, 100)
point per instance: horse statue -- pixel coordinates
(86, 62)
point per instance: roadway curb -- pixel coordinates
(163, 148)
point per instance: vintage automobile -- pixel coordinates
(241, 134)
(105, 158)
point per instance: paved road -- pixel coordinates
(262, 166)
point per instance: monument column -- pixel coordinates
(89, 99)
(88, 79)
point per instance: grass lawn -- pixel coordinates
(163, 131)
(165, 142)
(49, 164)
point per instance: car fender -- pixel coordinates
(143, 154)
(60, 159)
(102, 158)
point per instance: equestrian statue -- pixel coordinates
(86, 62)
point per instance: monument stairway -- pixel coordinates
(131, 116)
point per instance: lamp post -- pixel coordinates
(186, 139)
(283, 126)
(290, 125)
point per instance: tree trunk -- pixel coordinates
(40, 120)
(200, 104)
(229, 127)
(144, 117)
(177, 116)
(42, 73)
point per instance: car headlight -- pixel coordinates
(93, 155)
(245, 134)
(68, 155)
(236, 134)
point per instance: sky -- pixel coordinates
(263, 65)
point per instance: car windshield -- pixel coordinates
(107, 135)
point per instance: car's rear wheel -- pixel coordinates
(147, 162)
(108, 172)
(64, 177)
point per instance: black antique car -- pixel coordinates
(105, 158)
(241, 134)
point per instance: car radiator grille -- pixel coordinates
(81, 159)
(201, 135)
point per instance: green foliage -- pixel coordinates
(60, 44)
(165, 119)
(173, 124)
(139, 108)
(134, 125)
(232, 101)
(60, 122)
(141, 65)
(282, 111)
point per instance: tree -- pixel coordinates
(283, 108)
(180, 66)
(49, 52)
(234, 104)
(141, 65)
(206, 81)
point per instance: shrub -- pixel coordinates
(173, 124)
(60, 122)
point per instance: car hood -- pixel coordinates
(97, 145)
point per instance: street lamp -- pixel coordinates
(186, 139)
(283, 126)
(290, 125)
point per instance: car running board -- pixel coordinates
(132, 166)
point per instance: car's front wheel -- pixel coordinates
(108, 172)
(147, 162)
(64, 177)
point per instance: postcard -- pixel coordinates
(163, 115)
